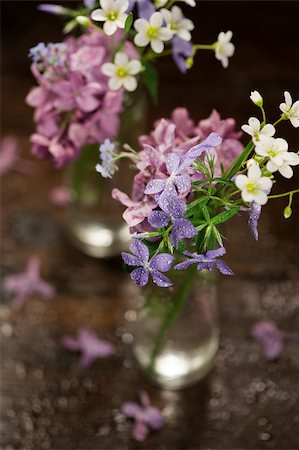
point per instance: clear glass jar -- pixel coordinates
(176, 332)
(94, 220)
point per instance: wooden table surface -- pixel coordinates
(48, 400)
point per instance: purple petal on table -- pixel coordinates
(211, 254)
(140, 250)
(162, 262)
(130, 260)
(140, 431)
(155, 187)
(131, 409)
(185, 264)
(140, 276)
(160, 280)
(158, 219)
(270, 338)
(71, 343)
(183, 183)
(153, 417)
(144, 399)
(173, 162)
(223, 268)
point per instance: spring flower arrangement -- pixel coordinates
(190, 180)
(82, 80)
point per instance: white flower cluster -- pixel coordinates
(271, 154)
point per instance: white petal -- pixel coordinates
(291, 158)
(247, 129)
(176, 13)
(134, 66)
(156, 20)
(109, 27)
(288, 98)
(107, 4)
(268, 130)
(141, 25)
(184, 34)
(122, 5)
(254, 123)
(229, 49)
(271, 167)
(108, 69)
(295, 122)
(261, 149)
(98, 15)
(115, 83)
(141, 40)
(157, 45)
(286, 171)
(121, 59)
(130, 84)
(165, 34)
(254, 172)
(241, 181)
(281, 144)
(187, 24)
(260, 197)
(121, 20)
(264, 184)
(247, 196)
(166, 15)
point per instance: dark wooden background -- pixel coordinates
(48, 401)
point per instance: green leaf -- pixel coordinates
(150, 78)
(218, 236)
(206, 214)
(224, 216)
(128, 23)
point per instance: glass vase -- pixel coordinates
(94, 220)
(176, 331)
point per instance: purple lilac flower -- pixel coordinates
(53, 9)
(145, 8)
(271, 338)
(179, 179)
(146, 417)
(181, 228)
(107, 168)
(137, 210)
(254, 215)
(154, 266)
(90, 346)
(28, 284)
(89, 3)
(206, 261)
(181, 51)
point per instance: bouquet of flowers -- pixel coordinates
(184, 190)
(82, 80)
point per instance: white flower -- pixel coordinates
(256, 98)
(108, 168)
(224, 48)
(160, 3)
(112, 13)
(290, 109)
(279, 157)
(254, 129)
(254, 187)
(122, 72)
(152, 32)
(177, 23)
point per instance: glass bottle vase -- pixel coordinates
(176, 330)
(94, 220)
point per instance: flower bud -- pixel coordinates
(256, 98)
(83, 20)
(287, 212)
(189, 62)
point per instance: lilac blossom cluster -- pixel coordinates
(74, 105)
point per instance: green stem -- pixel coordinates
(171, 313)
(233, 169)
(203, 47)
(284, 194)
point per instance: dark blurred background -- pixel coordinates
(47, 400)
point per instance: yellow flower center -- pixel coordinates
(272, 152)
(121, 72)
(251, 187)
(152, 32)
(112, 15)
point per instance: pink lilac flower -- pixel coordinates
(181, 228)
(90, 346)
(60, 196)
(137, 210)
(231, 146)
(145, 416)
(271, 338)
(28, 284)
(206, 261)
(73, 103)
(184, 125)
(154, 266)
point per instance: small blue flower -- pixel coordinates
(108, 167)
(206, 261)
(38, 53)
(154, 266)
